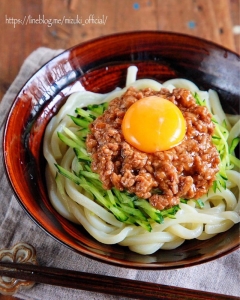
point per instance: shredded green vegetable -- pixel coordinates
(200, 203)
(126, 207)
(220, 140)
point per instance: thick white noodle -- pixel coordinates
(217, 108)
(233, 119)
(234, 132)
(204, 96)
(132, 75)
(220, 212)
(181, 83)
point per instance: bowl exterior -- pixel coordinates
(100, 66)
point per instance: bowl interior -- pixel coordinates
(100, 66)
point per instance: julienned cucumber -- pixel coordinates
(126, 207)
(219, 139)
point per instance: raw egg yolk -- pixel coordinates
(153, 124)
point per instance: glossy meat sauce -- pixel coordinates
(186, 170)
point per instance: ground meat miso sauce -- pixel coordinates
(187, 170)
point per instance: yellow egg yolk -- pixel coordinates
(153, 124)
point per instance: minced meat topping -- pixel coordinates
(184, 171)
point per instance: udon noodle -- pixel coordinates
(221, 206)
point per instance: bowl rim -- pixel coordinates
(162, 32)
(95, 256)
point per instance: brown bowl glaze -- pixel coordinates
(100, 66)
